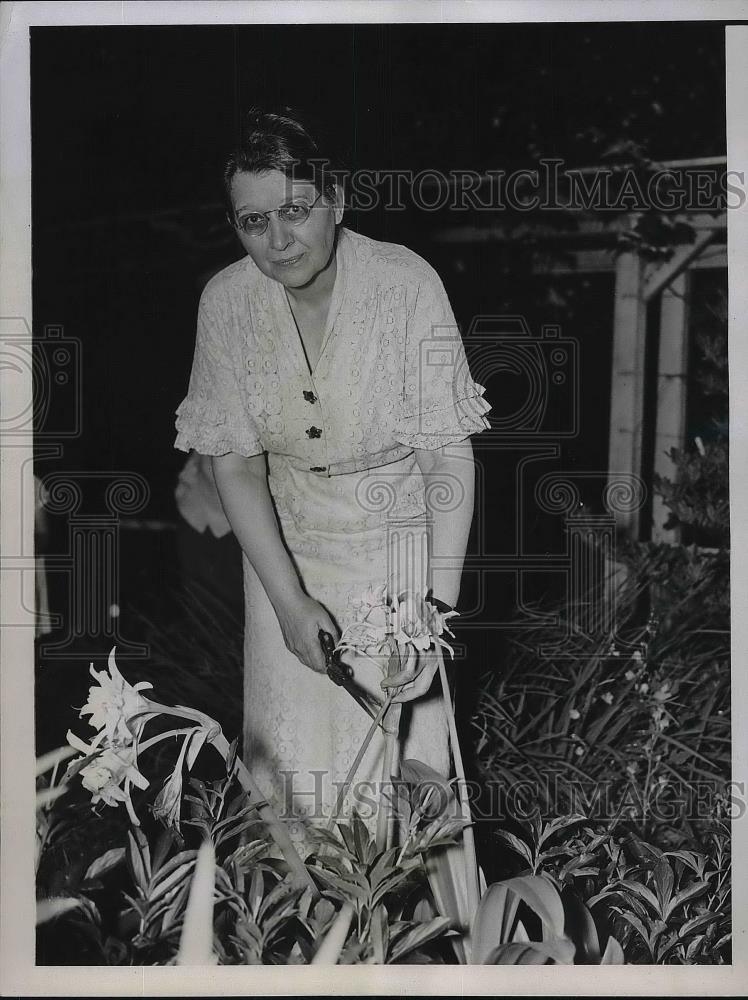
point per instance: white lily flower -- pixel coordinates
(109, 768)
(436, 620)
(384, 622)
(360, 638)
(374, 597)
(371, 632)
(410, 624)
(115, 703)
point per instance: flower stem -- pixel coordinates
(147, 744)
(277, 830)
(391, 731)
(468, 837)
(357, 761)
(388, 765)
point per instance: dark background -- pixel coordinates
(130, 129)
(128, 123)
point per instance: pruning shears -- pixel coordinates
(340, 674)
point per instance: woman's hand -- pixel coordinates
(415, 679)
(301, 618)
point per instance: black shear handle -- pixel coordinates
(335, 668)
(327, 643)
(341, 674)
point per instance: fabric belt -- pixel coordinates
(361, 464)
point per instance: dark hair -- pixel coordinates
(284, 140)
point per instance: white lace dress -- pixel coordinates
(391, 377)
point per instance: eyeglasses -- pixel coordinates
(292, 214)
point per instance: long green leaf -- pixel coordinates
(46, 796)
(445, 870)
(390, 882)
(543, 899)
(196, 942)
(332, 944)
(558, 950)
(138, 861)
(360, 837)
(422, 778)
(519, 846)
(638, 926)
(379, 934)
(48, 909)
(687, 894)
(493, 921)
(643, 892)
(104, 863)
(418, 936)
(664, 880)
(164, 886)
(49, 760)
(382, 866)
(561, 823)
(613, 954)
(692, 753)
(580, 928)
(696, 923)
(171, 865)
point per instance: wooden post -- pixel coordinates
(627, 386)
(664, 275)
(672, 370)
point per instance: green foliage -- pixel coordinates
(678, 905)
(667, 907)
(383, 888)
(697, 494)
(538, 850)
(699, 497)
(372, 906)
(623, 729)
(634, 735)
(262, 915)
(624, 737)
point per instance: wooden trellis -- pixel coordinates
(637, 283)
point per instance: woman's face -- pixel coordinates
(294, 255)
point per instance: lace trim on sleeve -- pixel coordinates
(204, 426)
(444, 425)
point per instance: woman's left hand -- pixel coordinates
(415, 679)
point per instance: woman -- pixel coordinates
(330, 386)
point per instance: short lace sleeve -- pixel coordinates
(212, 418)
(440, 403)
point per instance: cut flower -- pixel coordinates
(384, 624)
(411, 623)
(108, 768)
(115, 704)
